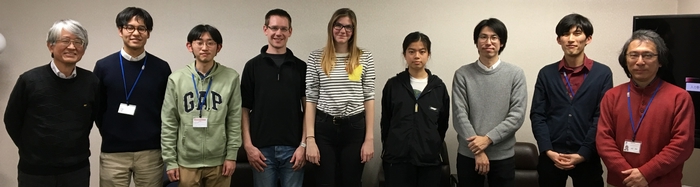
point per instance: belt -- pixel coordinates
(340, 119)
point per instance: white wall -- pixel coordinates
(381, 28)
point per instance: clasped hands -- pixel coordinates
(565, 161)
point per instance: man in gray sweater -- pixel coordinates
(489, 99)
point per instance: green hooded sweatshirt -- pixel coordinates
(195, 147)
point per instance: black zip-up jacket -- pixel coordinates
(413, 129)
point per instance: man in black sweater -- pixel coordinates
(272, 89)
(51, 111)
(132, 86)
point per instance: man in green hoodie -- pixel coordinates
(201, 130)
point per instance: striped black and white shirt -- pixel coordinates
(336, 94)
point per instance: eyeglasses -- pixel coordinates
(200, 43)
(338, 26)
(645, 56)
(276, 28)
(483, 38)
(78, 43)
(131, 29)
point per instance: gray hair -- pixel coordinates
(644, 36)
(69, 25)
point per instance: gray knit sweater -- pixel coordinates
(490, 103)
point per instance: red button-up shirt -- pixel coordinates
(576, 74)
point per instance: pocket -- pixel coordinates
(356, 74)
(359, 124)
(190, 143)
(430, 148)
(216, 144)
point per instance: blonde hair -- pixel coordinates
(328, 57)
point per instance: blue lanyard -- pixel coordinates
(201, 102)
(128, 95)
(568, 83)
(629, 108)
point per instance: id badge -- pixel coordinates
(632, 147)
(199, 122)
(126, 109)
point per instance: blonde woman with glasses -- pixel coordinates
(340, 105)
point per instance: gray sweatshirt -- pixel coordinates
(490, 103)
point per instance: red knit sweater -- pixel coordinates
(666, 133)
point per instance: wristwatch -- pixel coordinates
(303, 144)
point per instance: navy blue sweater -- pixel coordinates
(125, 133)
(562, 124)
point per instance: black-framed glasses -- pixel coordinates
(131, 29)
(338, 26)
(276, 28)
(645, 56)
(78, 43)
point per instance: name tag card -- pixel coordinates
(632, 147)
(126, 109)
(199, 122)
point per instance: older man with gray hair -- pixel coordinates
(51, 111)
(645, 130)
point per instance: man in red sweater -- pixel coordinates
(645, 131)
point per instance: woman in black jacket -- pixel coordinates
(415, 111)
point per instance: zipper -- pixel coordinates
(421, 95)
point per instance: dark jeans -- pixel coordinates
(501, 173)
(78, 178)
(409, 175)
(587, 173)
(339, 141)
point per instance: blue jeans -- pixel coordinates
(278, 167)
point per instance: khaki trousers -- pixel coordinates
(117, 169)
(206, 177)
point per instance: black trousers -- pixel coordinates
(585, 174)
(339, 142)
(78, 178)
(501, 173)
(409, 175)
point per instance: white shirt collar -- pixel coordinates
(486, 68)
(61, 75)
(130, 58)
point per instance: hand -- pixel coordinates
(312, 153)
(367, 151)
(228, 168)
(559, 161)
(634, 178)
(479, 143)
(256, 158)
(482, 164)
(298, 160)
(174, 174)
(573, 159)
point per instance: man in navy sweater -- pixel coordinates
(565, 109)
(132, 88)
(50, 112)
